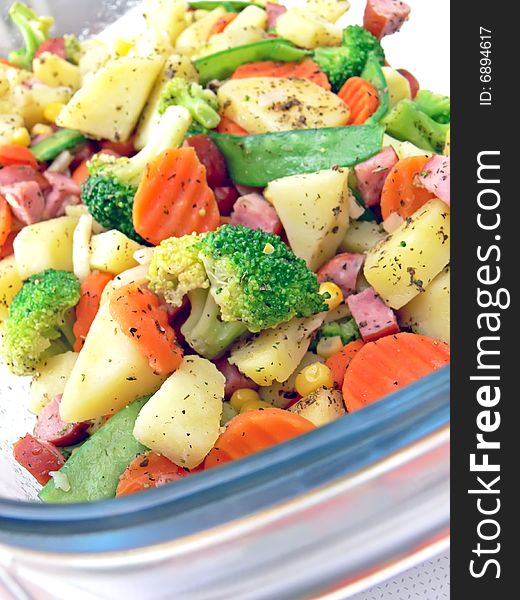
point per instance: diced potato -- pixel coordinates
(404, 149)
(166, 15)
(51, 380)
(313, 209)
(398, 86)
(307, 29)
(32, 102)
(111, 100)
(182, 420)
(264, 104)
(113, 252)
(321, 407)
(81, 246)
(10, 285)
(361, 236)
(331, 10)
(401, 266)
(280, 393)
(9, 125)
(275, 353)
(110, 372)
(429, 313)
(45, 245)
(55, 71)
(175, 66)
(194, 37)
(94, 55)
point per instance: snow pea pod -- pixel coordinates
(255, 160)
(223, 64)
(228, 5)
(373, 73)
(55, 144)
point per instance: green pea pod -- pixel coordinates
(228, 5)
(93, 471)
(375, 76)
(223, 64)
(255, 160)
(51, 147)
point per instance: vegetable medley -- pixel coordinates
(217, 236)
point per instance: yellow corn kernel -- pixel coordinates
(122, 47)
(52, 110)
(42, 129)
(313, 377)
(335, 293)
(328, 346)
(243, 395)
(254, 405)
(21, 137)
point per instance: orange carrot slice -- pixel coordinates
(361, 98)
(254, 431)
(91, 289)
(403, 193)
(339, 362)
(305, 69)
(390, 363)
(230, 127)
(80, 173)
(142, 318)
(5, 220)
(220, 25)
(13, 154)
(174, 198)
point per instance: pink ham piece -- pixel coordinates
(273, 12)
(19, 173)
(63, 192)
(372, 173)
(235, 380)
(50, 428)
(372, 316)
(343, 270)
(255, 212)
(436, 177)
(26, 201)
(383, 17)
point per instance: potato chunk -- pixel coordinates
(307, 29)
(113, 252)
(265, 104)
(55, 71)
(321, 407)
(10, 285)
(182, 420)
(401, 266)
(52, 377)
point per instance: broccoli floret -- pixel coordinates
(237, 279)
(34, 30)
(112, 183)
(346, 329)
(40, 320)
(407, 122)
(202, 104)
(434, 105)
(72, 49)
(348, 60)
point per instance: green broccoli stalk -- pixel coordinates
(434, 105)
(72, 49)
(40, 320)
(407, 122)
(238, 279)
(112, 183)
(346, 329)
(34, 30)
(202, 104)
(348, 60)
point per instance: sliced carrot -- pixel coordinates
(80, 173)
(254, 431)
(230, 127)
(142, 318)
(361, 98)
(3, 61)
(148, 471)
(13, 154)
(91, 289)
(402, 192)
(220, 25)
(174, 198)
(339, 362)
(390, 363)
(305, 69)
(5, 220)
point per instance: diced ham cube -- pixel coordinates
(436, 177)
(273, 12)
(235, 380)
(64, 191)
(383, 17)
(255, 212)
(50, 428)
(372, 173)
(26, 201)
(372, 316)
(19, 173)
(343, 270)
